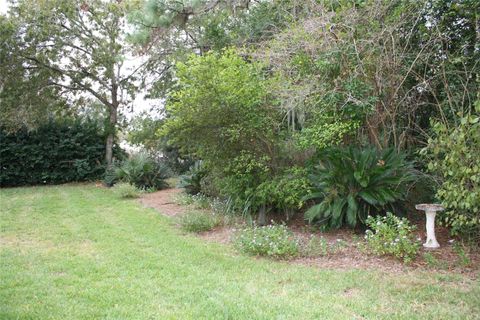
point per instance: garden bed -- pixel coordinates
(346, 245)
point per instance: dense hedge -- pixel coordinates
(54, 153)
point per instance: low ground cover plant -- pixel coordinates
(391, 235)
(275, 241)
(197, 201)
(320, 247)
(199, 221)
(315, 247)
(126, 190)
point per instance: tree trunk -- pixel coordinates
(111, 135)
(262, 216)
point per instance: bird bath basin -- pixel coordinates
(430, 212)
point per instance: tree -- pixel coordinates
(26, 99)
(220, 108)
(82, 46)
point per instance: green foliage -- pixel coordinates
(285, 191)
(243, 175)
(463, 258)
(191, 180)
(199, 221)
(144, 132)
(26, 98)
(71, 51)
(144, 172)
(220, 108)
(454, 157)
(432, 261)
(198, 201)
(352, 183)
(319, 247)
(391, 235)
(126, 190)
(57, 152)
(315, 247)
(273, 241)
(325, 133)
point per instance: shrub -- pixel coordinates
(126, 190)
(219, 107)
(352, 183)
(391, 235)
(272, 241)
(199, 221)
(57, 152)
(455, 157)
(285, 191)
(242, 176)
(144, 172)
(191, 180)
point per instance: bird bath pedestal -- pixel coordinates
(430, 212)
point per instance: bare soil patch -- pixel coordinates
(163, 201)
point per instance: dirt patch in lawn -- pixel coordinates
(163, 201)
(345, 245)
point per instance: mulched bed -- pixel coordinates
(348, 255)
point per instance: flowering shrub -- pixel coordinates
(273, 241)
(391, 235)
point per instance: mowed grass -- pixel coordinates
(78, 252)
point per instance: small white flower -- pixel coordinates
(451, 241)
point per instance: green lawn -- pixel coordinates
(77, 252)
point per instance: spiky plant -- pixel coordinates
(352, 183)
(144, 172)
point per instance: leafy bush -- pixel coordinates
(220, 112)
(352, 183)
(191, 180)
(272, 241)
(391, 235)
(455, 157)
(110, 176)
(219, 107)
(57, 152)
(199, 221)
(126, 190)
(144, 172)
(285, 191)
(242, 176)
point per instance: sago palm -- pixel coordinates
(351, 183)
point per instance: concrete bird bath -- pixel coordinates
(430, 212)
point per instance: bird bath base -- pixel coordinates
(430, 212)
